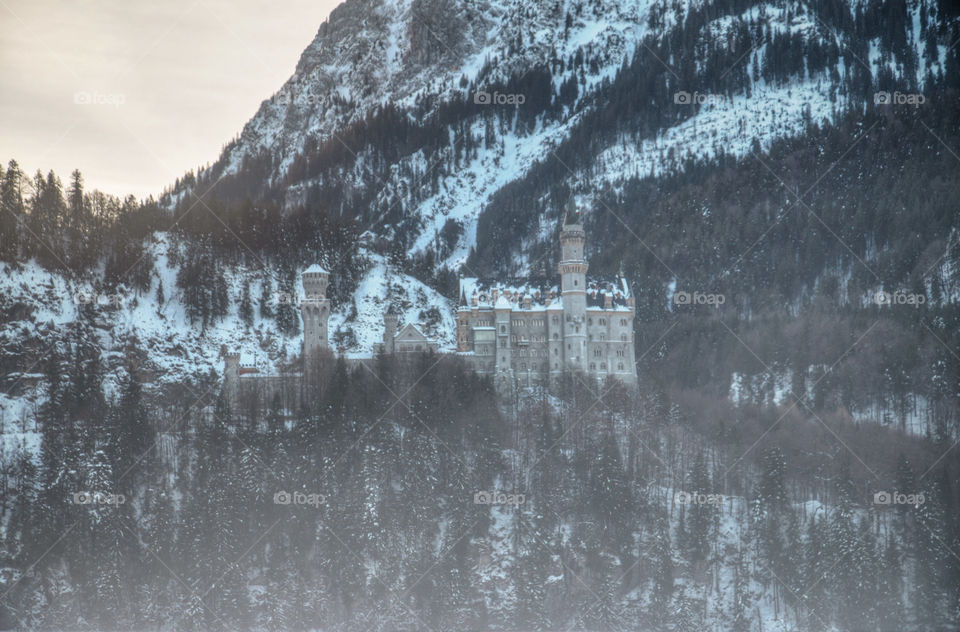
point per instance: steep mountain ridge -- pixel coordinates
(396, 137)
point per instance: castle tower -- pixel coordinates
(390, 330)
(315, 309)
(573, 290)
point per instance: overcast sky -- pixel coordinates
(136, 92)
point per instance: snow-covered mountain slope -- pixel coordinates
(373, 53)
(392, 117)
(50, 305)
(733, 79)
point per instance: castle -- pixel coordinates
(528, 330)
(523, 332)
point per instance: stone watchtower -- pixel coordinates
(390, 330)
(315, 309)
(573, 290)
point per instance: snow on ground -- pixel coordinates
(412, 299)
(177, 348)
(725, 125)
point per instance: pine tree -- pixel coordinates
(246, 307)
(11, 212)
(266, 298)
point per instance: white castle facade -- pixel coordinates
(534, 332)
(523, 331)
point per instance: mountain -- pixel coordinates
(381, 114)
(794, 163)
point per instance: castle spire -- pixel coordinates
(571, 215)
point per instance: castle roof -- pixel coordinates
(542, 291)
(315, 268)
(511, 290)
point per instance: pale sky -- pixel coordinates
(134, 93)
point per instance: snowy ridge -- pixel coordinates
(176, 349)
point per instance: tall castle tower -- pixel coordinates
(315, 309)
(573, 290)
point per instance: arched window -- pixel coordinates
(589, 321)
(593, 366)
(620, 366)
(603, 321)
(503, 329)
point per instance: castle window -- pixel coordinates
(556, 352)
(603, 337)
(575, 282)
(555, 320)
(603, 366)
(620, 352)
(623, 322)
(555, 365)
(593, 366)
(623, 337)
(523, 366)
(503, 329)
(590, 337)
(620, 366)
(603, 321)
(589, 321)
(597, 353)
(556, 336)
